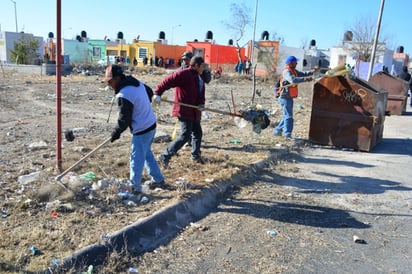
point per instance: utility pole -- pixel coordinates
(375, 40)
(15, 14)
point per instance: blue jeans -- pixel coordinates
(141, 156)
(286, 124)
(188, 129)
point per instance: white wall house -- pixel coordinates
(7, 40)
(345, 54)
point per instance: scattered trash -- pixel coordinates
(55, 261)
(199, 227)
(34, 251)
(182, 184)
(358, 240)
(259, 118)
(4, 213)
(235, 141)
(101, 184)
(272, 232)
(144, 200)
(68, 134)
(54, 214)
(89, 270)
(133, 270)
(53, 205)
(209, 180)
(88, 176)
(38, 145)
(28, 178)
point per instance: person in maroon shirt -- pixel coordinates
(190, 89)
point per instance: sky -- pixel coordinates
(297, 22)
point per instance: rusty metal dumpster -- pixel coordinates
(347, 112)
(397, 91)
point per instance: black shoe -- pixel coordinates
(200, 160)
(163, 161)
(152, 185)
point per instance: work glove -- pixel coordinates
(315, 69)
(157, 99)
(115, 136)
(201, 107)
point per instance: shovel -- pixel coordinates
(59, 177)
(239, 119)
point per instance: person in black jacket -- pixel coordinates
(406, 76)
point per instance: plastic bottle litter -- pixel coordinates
(88, 176)
(34, 251)
(272, 232)
(28, 178)
(133, 270)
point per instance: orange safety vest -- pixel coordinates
(293, 89)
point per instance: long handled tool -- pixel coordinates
(238, 118)
(205, 109)
(258, 118)
(339, 70)
(58, 178)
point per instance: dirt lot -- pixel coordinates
(42, 222)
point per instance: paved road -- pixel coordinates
(303, 219)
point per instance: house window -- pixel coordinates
(142, 53)
(96, 51)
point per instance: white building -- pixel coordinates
(7, 40)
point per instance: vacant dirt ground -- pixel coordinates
(42, 222)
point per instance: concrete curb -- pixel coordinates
(158, 229)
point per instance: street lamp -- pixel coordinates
(15, 13)
(173, 30)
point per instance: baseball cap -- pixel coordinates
(291, 59)
(187, 54)
(112, 71)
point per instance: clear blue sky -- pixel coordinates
(296, 21)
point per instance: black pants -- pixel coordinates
(188, 130)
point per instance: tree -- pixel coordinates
(241, 19)
(360, 37)
(25, 50)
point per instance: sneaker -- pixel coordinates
(152, 185)
(200, 160)
(289, 138)
(277, 133)
(187, 145)
(163, 161)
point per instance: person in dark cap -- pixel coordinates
(186, 56)
(135, 113)
(290, 77)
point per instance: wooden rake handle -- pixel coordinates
(59, 177)
(205, 109)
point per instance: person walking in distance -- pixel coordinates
(289, 78)
(406, 76)
(190, 89)
(135, 113)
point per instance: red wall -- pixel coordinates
(217, 55)
(169, 51)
